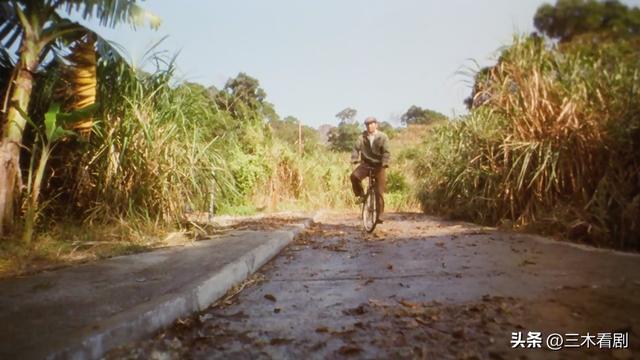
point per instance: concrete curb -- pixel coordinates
(145, 319)
(583, 247)
(537, 238)
(229, 220)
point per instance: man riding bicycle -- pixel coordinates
(371, 150)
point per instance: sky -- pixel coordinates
(314, 59)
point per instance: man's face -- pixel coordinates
(371, 127)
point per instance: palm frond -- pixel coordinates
(112, 12)
(10, 28)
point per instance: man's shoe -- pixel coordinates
(379, 221)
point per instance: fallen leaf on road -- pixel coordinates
(473, 308)
(408, 304)
(185, 322)
(349, 350)
(346, 332)
(336, 248)
(280, 341)
(322, 329)
(380, 303)
(270, 297)
(360, 310)
(459, 333)
(527, 262)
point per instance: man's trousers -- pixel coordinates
(361, 172)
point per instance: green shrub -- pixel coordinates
(396, 182)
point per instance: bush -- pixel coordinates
(396, 182)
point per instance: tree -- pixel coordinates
(343, 137)
(39, 29)
(418, 115)
(571, 23)
(287, 130)
(240, 94)
(387, 128)
(568, 19)
(347, 115)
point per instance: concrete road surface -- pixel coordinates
(421, 288)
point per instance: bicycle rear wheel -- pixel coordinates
(369, 211)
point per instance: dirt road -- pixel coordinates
(419, 287)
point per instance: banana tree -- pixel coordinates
(36, 26)
(47, 137)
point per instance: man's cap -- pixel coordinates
(370, 120)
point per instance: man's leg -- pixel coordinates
(381, 182)
(357, 175)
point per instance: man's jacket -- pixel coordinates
(374, 155)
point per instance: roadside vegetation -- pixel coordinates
(551, 142)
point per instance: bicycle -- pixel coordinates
(369, 206)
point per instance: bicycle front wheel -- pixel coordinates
(369, 212)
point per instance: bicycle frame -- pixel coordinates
(370, 204)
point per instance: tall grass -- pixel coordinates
(553, 145)
(316, 179)
(161, 148)
(155, 150)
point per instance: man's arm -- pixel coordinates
(355, 153)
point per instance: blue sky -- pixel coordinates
(316, 58)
